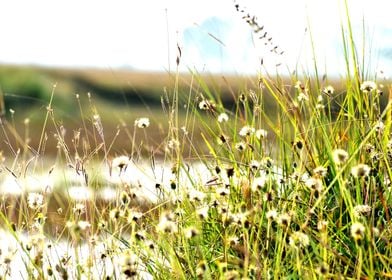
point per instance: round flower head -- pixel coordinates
(314, 184)
(299, 239)
(284, 219)
(206, 105)
(246, 131)
(191, 232)
(195, 195)
(357, 231)
(35, 200)
(362, 210)
(261, 134)
(202, 213)
(339, 156)
(329, 90)
(360, 170)
(203, 105)
(271, 214)
(121, 162)
(142, 122)
(320, 171)
(254, 165)
(302, 97)
(223, 118)
(299, 86)
(380, 127)
(368, 86)
(240, 146)
(259, 183)
(322, 225)
(167, 223)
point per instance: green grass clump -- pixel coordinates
(224, 193)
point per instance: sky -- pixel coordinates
(212, 36)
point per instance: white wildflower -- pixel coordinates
(360, 170)
(379, 127)
(240, 146)
(357, 231)
(223, 117)
(35, 200)
(299, 239)
(202, 213)
(362, 210)
(314, 184)
(261, 134)
(259, 183)
(142, 122)
(206, 105)
(299, 86)
(191, 232)
(284, 219)
(167, 223)
(254, 165)
(195, 195)
(368, 86)
(329, 90)
(271, 214)
(120, 162)
(320, 171)
(246, 131)
(339, 156)
(302, 97)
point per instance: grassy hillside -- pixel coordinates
(119, 96)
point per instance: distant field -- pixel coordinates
(118, 96)
(110, 84)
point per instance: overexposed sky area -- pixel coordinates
(143, 35)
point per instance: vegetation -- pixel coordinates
(299, 192)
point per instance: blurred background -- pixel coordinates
(118, 58)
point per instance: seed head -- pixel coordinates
(202, 213)
(79, 208)
(368, 86)
(259, 183)
(357, 231)
(35, 200)
(196, 196)
(299, 239)
(167, 223)
(271, 214)
(322, 225)
(320, 171)
(314, 184)
(121, 162)
(240, 146)
(142, 122)
(223, 117)
(340, 156)
(261, 134)
(360, 170)
(284, 219)
(328, 90)
(246, 131)
(362, 210)
(191, 232)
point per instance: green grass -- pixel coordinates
(308, 200)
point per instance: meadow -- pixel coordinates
(283, 177)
